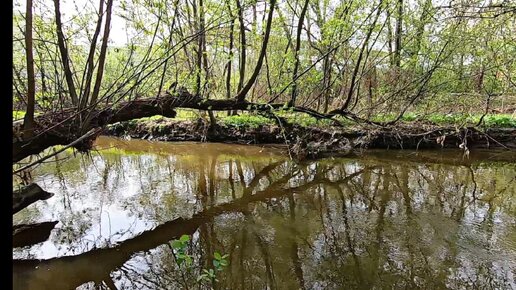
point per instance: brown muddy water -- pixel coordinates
(383, 220)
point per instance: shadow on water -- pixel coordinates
(384, 220)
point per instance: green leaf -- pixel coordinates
(224, 263)
(217, 255)
(203, 277)
(188, 260)
(184, 238)
(176, 244)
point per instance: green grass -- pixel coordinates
(500, 120)
(18, 115)
(247, 120)
(490, 120)
(182, 115)
(301, 119)
(251, 120)
(254, 120)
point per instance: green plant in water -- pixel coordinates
(179, 249)
(184, 261)
(207, 276)
(219, 261)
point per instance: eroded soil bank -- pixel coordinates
(321, 139)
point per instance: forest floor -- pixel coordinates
(313, 137)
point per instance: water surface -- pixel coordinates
(383, 220)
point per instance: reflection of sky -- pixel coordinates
(110, 219)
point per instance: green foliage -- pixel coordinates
(505, 120)
(179, 248)
(441, 119)
(18, 115)
(247, 120)
(494, 120)
(185, 261)
(219, 261)
(490, 120)
(302, 119)
(207, 276)
(409, 117)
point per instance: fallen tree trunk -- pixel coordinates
(87, 136)
(28, 195)
(31, 234)
(65, 127)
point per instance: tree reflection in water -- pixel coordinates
(368, 223)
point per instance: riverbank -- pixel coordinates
(318, 140)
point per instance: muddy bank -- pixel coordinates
(324, 140)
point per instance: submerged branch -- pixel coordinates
(28, 195)
(29, 234)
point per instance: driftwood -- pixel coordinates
(28, 195)
(30, 234)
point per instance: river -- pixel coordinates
(379, 220)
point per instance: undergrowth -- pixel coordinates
(490, 120)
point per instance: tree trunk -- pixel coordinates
(31, 83)
(399, 29)
(359, 60)
(242, 45)
(103, 51)
(90, 66)
(169, 44)
(420, 31)
(230, 52)
(242, 93)
(64, 55)
(389, 37)
(296, 53)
